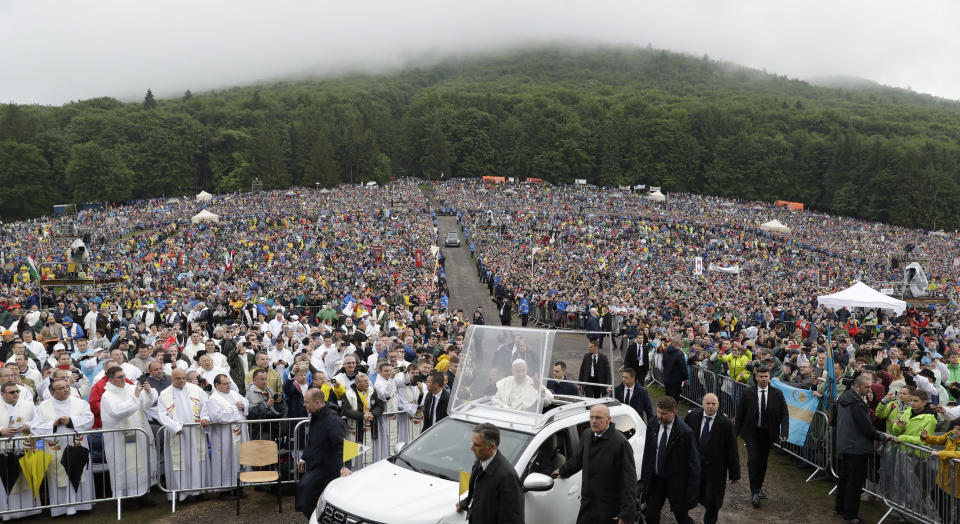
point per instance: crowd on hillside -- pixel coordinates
(345, 290)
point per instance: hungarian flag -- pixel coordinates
(32, 266)
(228, 261)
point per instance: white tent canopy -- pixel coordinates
(656, 195)
(862, 295)
(203, 196)
(204, 216)
(774, 225)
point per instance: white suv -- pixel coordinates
(419, 484)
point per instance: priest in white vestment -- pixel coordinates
(409, 393)
(387, 423)
(64, 415)
(186, 464)
(226, 408)
(15, 421)
(131, 455)
(209, 371)
(520, 391)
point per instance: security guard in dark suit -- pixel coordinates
(719, 457)
(495, 495)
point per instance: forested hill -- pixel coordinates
(611, 116)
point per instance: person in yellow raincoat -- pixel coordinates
(948, 476)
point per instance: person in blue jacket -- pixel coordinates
(322, 459)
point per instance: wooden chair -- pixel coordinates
(258, 453)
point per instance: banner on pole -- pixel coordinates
(698, 266)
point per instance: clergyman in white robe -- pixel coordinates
(410, 423)
(131, 455)
(225, 434)
(16, 419)
(50, 421)
(387, 424)
(186, 464)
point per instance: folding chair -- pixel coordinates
(258, 453)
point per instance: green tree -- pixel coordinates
(148, 101)
(24, 176)
(95, 174)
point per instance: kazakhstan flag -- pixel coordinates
(802, 406)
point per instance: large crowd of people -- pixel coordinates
(179, 335)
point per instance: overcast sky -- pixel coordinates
(52, 52)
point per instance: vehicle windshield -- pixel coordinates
(444, 450)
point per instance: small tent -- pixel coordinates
(774, 226)
(862, 295)
(204, 216)
(203, 196)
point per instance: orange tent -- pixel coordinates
(793, 206)
(495, 179)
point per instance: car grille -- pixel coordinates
(334, 515)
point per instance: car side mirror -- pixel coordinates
(399, 447)
(537, 482)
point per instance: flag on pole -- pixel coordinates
(802, 405)
(831, 389)
(636, 268)
(228, 261)
(464, 482)
(32, 266)
(352, 450)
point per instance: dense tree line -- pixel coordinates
(612, 116)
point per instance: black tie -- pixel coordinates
(662, 452)
(706, 431)
(763, 408)
(429, 415)
(596, 438)
(626, 398)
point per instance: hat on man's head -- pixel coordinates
(59, 347)
(928, 373)
(67, 320)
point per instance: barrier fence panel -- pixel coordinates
(204, 459)
(122, 470)
(656, 367)
(728, 392)
(817, 449)
(917, 484)
(699, 383)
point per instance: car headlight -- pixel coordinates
(321, 505)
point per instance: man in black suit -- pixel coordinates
(495, 495)
(323, 457)
(633, 394)
(436, 400)
(609, 480)
(506, 315)
(594, 368)
(635, 358)
(719, 458)
(556, 386)
(762, 418)
(671, 465)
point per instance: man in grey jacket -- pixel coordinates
(855, 446)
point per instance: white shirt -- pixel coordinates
(663, 433)
(485, 463)
(760, 413)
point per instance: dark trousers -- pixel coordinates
(758, 451)
(673, 390)
(851, 478)
(592, 391)
(642, 374)
(711, 497)
(523, 319)
(656, 496)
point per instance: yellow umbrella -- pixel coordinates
(34, 464)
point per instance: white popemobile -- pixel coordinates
(419, 484)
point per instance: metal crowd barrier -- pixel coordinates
(919, 485)
(728, 393)
(55, 489)
(220, 471)
(817, 450)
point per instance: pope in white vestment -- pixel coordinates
(186, 464)
(131, 456)
(225, 408)
(520, 391)
(63, 415)
(15, 420)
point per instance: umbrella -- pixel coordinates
(9, 469)
(34, 464)
(74, 459)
